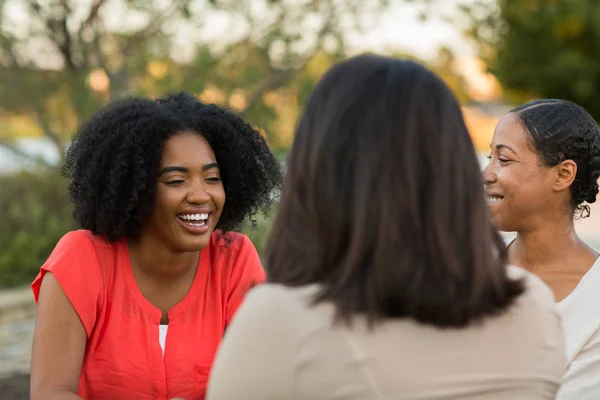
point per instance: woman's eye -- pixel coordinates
(214, 179)
(175, 182)
(503, 160)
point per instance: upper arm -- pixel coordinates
(255, 360)
(59, 342)
(68, 291)
(246, 272)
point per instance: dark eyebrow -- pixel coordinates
(177, 168)
(173, 169)
(210, 166)
(503, 146)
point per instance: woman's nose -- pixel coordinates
(198, 194)
(489, 174)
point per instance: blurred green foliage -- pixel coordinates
(259, 233)
(541, 48)
(35, 211)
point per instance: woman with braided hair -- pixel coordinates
(543, 172)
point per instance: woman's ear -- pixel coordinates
(565, 175)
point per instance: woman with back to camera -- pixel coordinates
(544, 168)
(384, 280)
(134, 305)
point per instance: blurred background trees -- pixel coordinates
(540, 48)
(60, 60)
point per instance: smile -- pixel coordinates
(492, 199)
(196, 220)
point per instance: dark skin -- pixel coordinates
(164, 260)
(164, 295)
(534, 201)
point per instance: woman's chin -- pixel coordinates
(197, 243)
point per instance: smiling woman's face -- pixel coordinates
(520, 189)
(189, 194)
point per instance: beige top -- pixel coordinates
(279, 348)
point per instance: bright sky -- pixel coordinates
(401, 29)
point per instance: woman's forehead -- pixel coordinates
(510, 133)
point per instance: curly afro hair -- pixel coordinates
(114, 158)
(561, 130)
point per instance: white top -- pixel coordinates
(580, 313)
(162, 336)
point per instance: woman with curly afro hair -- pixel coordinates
(543, 172)
(134, 304)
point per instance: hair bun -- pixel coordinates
(592, 193)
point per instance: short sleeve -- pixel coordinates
(247, 272)
(75, 265)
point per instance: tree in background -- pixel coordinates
(61, 59)
(541, 48)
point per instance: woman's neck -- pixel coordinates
(556, 254)
(158, 262)
(553, 248)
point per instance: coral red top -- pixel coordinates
(123, 358)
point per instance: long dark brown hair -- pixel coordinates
(383, 203)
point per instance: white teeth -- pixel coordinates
(194, 217)
(494, 199)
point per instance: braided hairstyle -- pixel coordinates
(561, 130)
